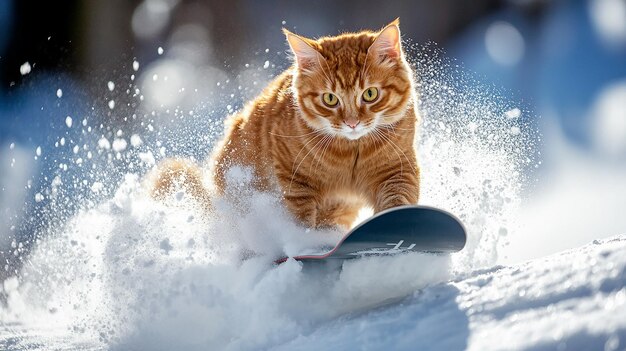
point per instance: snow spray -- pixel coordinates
(123, 271)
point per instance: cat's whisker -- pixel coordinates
(399, 149)
(295, 159)
(393, 147)
(299, 164)
(394, 127)
(379, 135)
(382, 142)
(296, 136)
(330, 140)
(317, 151)
(375, 138)
(392, 130)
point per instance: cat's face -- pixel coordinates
(351, 84)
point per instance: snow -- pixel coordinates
(572, 300)
(147, 158)
(104, 143)
(25, 68)
(135, 273)
(135, 140)
(513, 113)
(119, 144)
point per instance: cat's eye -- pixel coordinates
(330, 99)
(370, 94)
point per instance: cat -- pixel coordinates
(332, 134)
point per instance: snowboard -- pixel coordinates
(396, 230)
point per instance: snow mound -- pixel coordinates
(134, 273)
(575, 300)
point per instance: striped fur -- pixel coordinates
(297, 145)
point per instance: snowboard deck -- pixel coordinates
(396, 230)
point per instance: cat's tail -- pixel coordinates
(174, 175)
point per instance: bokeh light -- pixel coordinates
(504, 43)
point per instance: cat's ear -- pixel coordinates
(307, 57)
(387, 42)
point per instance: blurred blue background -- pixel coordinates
(565, 59)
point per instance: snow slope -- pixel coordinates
(574, 300)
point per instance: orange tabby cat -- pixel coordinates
(333, 133)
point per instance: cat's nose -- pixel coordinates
(352, 123)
